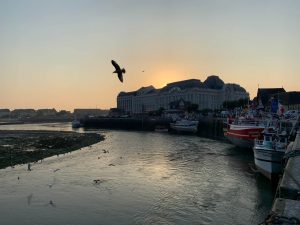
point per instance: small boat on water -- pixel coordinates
(159, 128)
(76, 124)
(184, 125)
(269, 152)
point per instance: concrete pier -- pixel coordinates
(287, 203)
(289, 186)
(287, 210)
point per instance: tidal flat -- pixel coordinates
(26, 146)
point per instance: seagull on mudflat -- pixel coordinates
(118, 70)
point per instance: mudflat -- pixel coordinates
(24, 146)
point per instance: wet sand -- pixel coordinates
(21, 146)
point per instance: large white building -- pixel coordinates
(207, 95)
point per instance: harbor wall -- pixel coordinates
(147, 124)
(211, 128)
(286, 206)
(207, 127)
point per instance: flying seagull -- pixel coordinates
(118, 70)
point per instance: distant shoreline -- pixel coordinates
(36, 120)
(26, 146)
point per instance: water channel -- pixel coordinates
(144, 178)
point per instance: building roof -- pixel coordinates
(184, 84)
(146, 90)
(212, 82)
(264, 94)
(24, 110)
(122, 93)
(289, 98)
(87, 109)
(234, 87)
(4, 110)
(46, 110)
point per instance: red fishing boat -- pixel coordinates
(243, 132)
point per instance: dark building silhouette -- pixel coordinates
(264, 94)
(291, 100)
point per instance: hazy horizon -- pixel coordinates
(56, 54)
(96, 107)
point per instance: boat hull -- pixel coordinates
(161, 129)
(241, 142)
(243, 136)
(76, 124)
(189, 129)
(268, 162)
(185, 126)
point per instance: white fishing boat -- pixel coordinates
(268, 153)
(185, 125)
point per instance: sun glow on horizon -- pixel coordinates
(165, 75)
(63, 59)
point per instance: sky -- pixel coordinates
(57, 54)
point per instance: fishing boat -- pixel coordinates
(243, 132)
(184, 125)
(268, 153)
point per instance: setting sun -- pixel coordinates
(166, 74)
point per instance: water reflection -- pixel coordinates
(155, 179)
(29, 197)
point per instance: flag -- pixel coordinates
(274, 105)
(281, 109)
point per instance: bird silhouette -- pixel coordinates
(118, 70)
(51, 203)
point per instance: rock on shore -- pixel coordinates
(19, 147)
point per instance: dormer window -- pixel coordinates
(174, 89)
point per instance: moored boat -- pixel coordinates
(76, 124)
(190, 126)
(161, 128)
(242, 133)
(269, 152)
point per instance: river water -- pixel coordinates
(144, 178)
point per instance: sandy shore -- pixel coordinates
(19, 147)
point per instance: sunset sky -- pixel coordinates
(56, 54)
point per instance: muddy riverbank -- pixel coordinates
(19, 147)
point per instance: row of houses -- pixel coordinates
(29, 113)
(32, 113)
(209, 94)
(81, 113)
